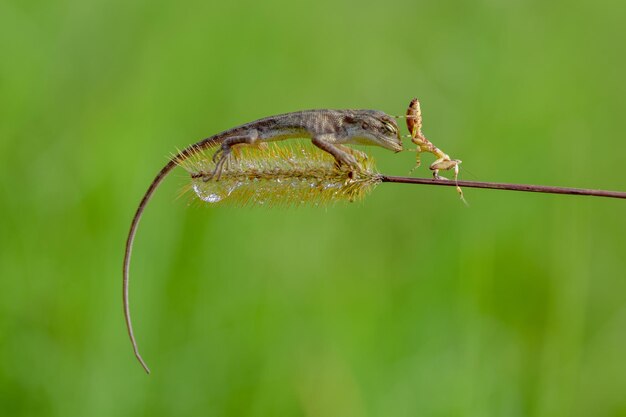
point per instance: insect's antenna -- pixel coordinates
(181, 156)
(469, 172)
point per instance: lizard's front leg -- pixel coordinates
(360, 155)
(221, 155)
(341, 156)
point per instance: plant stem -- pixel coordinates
(504, 186)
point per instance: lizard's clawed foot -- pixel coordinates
(220, 157)
(349, 163)
(350, 157)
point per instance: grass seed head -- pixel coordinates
(279, 175)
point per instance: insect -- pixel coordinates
(444, 162)
(329, 130)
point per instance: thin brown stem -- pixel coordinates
(504, 186)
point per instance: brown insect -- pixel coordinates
(443, 162)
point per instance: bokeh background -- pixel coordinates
(406, 304)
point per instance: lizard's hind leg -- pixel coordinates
(220, 157)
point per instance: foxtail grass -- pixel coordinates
(279, 175)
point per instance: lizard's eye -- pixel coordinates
(390, 128)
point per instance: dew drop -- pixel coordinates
(209, 198)
(212, 198)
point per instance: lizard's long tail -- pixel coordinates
(181, 156)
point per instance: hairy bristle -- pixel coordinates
(275, 174)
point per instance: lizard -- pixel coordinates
(329, 130)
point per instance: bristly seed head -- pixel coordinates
(279, 175)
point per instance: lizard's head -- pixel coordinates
(372, 127)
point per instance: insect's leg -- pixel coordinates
(436, 166)
(341, 156)
(444, 162)
(423, 145)
(418, 159)
(220, 157)
(456, 182)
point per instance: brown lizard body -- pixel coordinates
(329, 130)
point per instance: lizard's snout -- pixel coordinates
(397, 147)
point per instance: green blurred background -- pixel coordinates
(406, 304)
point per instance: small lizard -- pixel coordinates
(329, 130)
